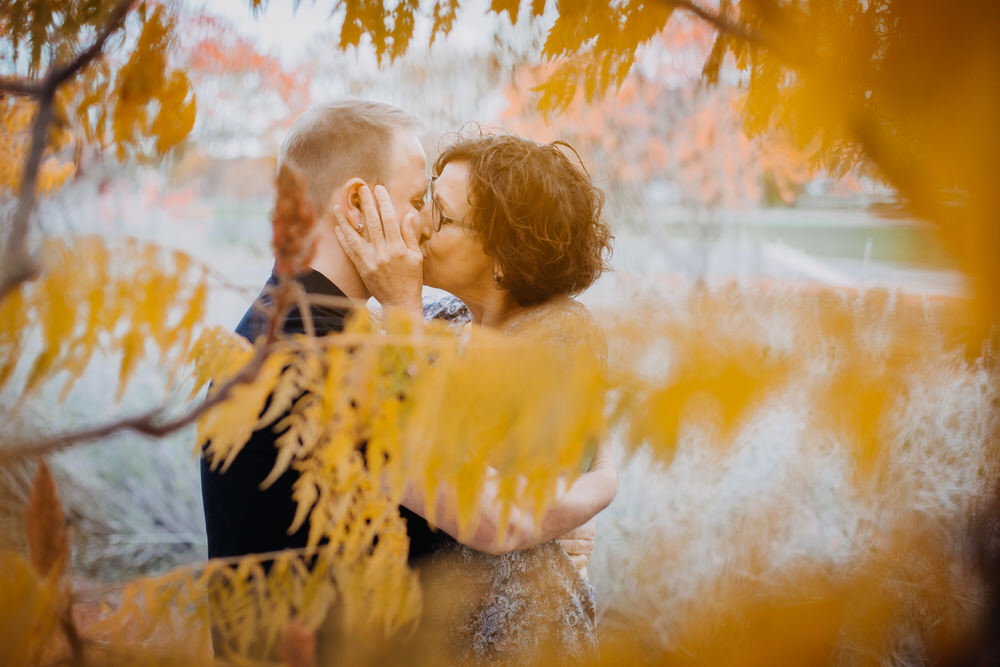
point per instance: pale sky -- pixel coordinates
(296, 38)
(284, 33)
(277, 29)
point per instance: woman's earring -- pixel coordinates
(497, 278)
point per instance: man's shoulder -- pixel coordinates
(327, 315)
(254, 320)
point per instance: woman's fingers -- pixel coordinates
(579, 551)
(390, 226)
(340, 219)
(355, 247)
(603, 456)
(577, 547)
(410, 233)
(585, 531)
(392, 272)
(579, 543)
(372, 218)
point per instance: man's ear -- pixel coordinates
(349, 199)
(352, 190)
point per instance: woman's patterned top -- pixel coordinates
(525, 607)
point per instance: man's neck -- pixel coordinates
(332, 262)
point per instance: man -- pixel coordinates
(340, 149)
(351, 154)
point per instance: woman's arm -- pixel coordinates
(590, 493)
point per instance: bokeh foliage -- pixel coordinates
(905, 90)
(697, 372)
(130, 102)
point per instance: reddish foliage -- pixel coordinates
(293, 221)
(297, 646)
(214, 50)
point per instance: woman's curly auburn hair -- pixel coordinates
(536, 213)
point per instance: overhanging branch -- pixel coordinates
(720, 22)
(12, 85)
(58, 75)
(151, 423)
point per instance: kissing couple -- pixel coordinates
(513, 229)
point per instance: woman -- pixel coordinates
(513, 229)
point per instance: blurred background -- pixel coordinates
(690, 196)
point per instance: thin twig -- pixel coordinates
(72, 634)
(721, 23)
(284, 297)
(60, 74)
(148, 423)
(330, 301)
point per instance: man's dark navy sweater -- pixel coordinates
(240, 517)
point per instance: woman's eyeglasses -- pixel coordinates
(439, 218)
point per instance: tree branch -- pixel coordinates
(19, 265)
(721, 23)
(149, 423)
(58, 75)
(13, 85)
(72, 634)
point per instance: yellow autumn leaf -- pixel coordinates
(176, 116)
(31, 611)
(13, 322)
(217, 355)
(133, 345)
(227, 426)
(53, 174)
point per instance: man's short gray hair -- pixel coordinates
(331, 143)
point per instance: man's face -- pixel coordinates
(407, 176)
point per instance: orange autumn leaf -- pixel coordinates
(45, 524)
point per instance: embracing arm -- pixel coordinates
(590, 493)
